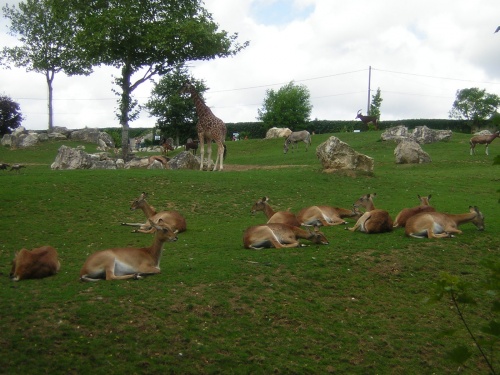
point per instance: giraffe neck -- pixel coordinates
(202, 110)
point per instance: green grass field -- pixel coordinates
(356, 306)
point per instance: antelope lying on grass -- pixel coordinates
(438, 225)
(171, 218)
(279, 236)
(406, 213)
(162, 159)
(128, 262)
(281, 217)
(482, 140)
(326, 215)
(373, 220)
(35, 264)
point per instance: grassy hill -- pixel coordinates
(354, 306)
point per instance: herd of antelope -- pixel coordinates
(283, 229)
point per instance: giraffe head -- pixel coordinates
(187, 88)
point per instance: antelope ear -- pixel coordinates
(265, 199)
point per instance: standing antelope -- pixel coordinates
(171, 218)
(406, 213)
(373, 220)
(128, 262)
(481, 140)
(280, 217)
(438, 225)
(326, 215)
(35, 264)
(279, 236)
(367, 119)
(293, 138)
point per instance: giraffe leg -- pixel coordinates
(220, 156)
(209, 154)
(202, 150)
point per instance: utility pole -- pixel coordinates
(369, 89)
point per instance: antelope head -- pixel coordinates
(358, 115)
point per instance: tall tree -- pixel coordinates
(47, 32)
(146, 38)
(173, 112)
(10, 115)
(289, 106)
(474, 105)
(375, 104)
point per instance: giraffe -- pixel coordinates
(209, 128)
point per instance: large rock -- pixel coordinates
(424, 135)
(336, 155)
(71, 158)
(278, 133)
(410, 152)
(396, 133)
(184, 160)
(92, 136)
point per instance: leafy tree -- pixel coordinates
(375, 104)
(289, 106)
(10, 115)
(146, 38)
(474, 105)
(47, 33)
(174, 112)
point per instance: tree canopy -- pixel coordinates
(146, 38)
(290, 106)
(10, 115)
(176, 116)
(46, 29)
(474, 105)
(375, 104)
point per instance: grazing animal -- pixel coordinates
(281, 217)
(191, 146)
(373, 220)
(279, 236)
(482, 140)
(4, 166)
(167, 144)
(17, 167)
(326, 215)
(294, 137)
(35, 264)
(173, 219)
(367, 119)
(209, 128)
(128, 262)
(162, 159)
(406, 213)
(438, 225)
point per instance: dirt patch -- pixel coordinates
(237, 168)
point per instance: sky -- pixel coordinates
(419, 53)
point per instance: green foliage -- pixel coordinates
(474, 105)
(10, 115)
(375, 104)
(289, 107)
(176, 115)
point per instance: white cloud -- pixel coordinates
(421, 53)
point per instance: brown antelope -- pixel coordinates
(438, 225)
(326, 215)
(367, 119)
(35, 264)
(373, 220)
(171, 218)
(167, 144)
(406, 213)
(162, 159)
(128, 262)
(280, 217)
(279, 236)
(482, 140)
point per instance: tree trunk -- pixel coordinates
(50, 77)
(124, 109)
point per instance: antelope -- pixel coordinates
(128, 262)
(279, 236)
(294, 137)
(280, 217)
(406, 213)
(367, 119)
(438, 225)
(35, 264)
(326, 215)
(373, 220)
(481, 140)
(162, 159)
(166, 145)
(17, 167)
(171, 218)
(191, 146)
(4, 166)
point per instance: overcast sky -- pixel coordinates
(420, 53)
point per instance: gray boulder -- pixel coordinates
(71, 158)
(278, 133)
(424, 135)
(336, 155)
(410, 152)
(184, 160)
